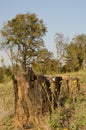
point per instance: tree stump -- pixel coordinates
(32, 102)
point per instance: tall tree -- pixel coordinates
(22, 38)
(73, 57)
(61, 44)
(42, 62)
(80, 41)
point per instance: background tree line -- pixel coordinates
(22, 40)
(71, 55)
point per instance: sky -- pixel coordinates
(60, 16)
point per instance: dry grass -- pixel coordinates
(6, 99)
(73, 112)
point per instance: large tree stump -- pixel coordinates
(32, 102)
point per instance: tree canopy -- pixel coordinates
(23, 38)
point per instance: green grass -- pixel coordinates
(7, 123)
(72, 115)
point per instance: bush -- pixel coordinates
(1, 78)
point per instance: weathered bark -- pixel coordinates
(32, 101)
(36, 94)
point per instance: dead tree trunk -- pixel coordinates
(32, 102)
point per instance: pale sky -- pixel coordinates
(60, 16)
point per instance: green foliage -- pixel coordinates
(1, 75)
(71, 114)
(1, 78)
(7, 122)
(45, 63)
(53, 123)
(76, 53)
(23, 38)
(43, 58)
(5, 74)
(73, 58)
(71, 117)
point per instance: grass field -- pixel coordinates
(71, 116)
